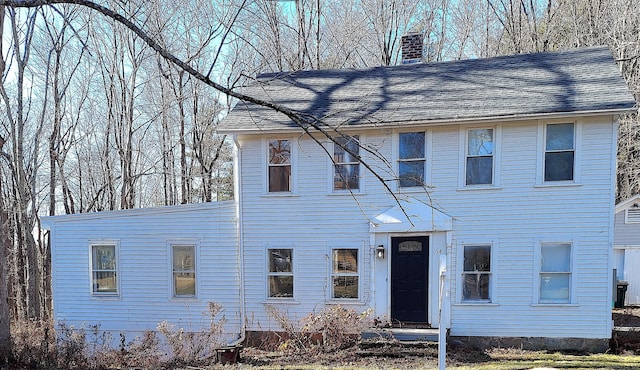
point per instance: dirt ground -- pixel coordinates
(628, 316)
(404, 358)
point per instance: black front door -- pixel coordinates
(409, 278)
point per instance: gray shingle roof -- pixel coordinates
(525, 85)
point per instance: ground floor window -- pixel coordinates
(280, 273)
(344, 273)
(476, 273)
(104, 274)
(184, 270)
(555, 273)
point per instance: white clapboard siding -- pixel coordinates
(143, 237)
(626, 243)
(514, 217)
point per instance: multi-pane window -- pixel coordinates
(479, 165)
(555, 273)
(559, 152)
(476, 273)
(279, 166)
(184, 270)
(280, 275)
(411, 159)
(344, 273)
(104, 274)
(346, 153)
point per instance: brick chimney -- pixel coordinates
(412, 48)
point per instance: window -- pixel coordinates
(411, 159)
(280, 274)
(184, 270)
(104, 274)
(346, 174)
(279, 166)
(555, 273)
(344, 274)
(559, 152)
(476, 273)
(479, 169)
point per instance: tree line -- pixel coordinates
(92, 118)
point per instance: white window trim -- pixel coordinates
(196, 246)
(577, 153)
(267, 273)
(395, 154)
(293, 190)
(463, 146)
(105, 242)
(492, 279)
(537, 265)
(361, 173)
(360, 277)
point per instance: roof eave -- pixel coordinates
(439, 122)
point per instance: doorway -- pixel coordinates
(409, 279)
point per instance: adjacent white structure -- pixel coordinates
(626, 247)
(499, 171)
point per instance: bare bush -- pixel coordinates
(339, 327)
(333, 328)
(190, 347)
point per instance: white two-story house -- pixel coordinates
(487, 185)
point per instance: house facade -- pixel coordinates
(626, 247)
(475, 196)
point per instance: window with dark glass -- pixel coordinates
(280, 273)
(476, 273)
(184, 270)
(279, 166)
(346, 152)
(104, 273)
(479, 165)
(344, 273)
(555, 273)
(411, 159)
(559, 152)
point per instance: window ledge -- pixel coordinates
(348, 302)
(280, 195)
(555, 305)
(557, 184)
(106, 297)
(290, 301)
(476, 304)
(346, 193)
(480, 187)
(185, 299)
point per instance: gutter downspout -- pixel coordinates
(237, 191)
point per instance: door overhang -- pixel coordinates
(411, 216)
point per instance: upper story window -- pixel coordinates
(476, 273)
(184, 270)
(346, 154)
(344, 273)
(559, 152)
(280, 273)
(480, 151)
(411, 159)
(279, 166)
(104, 273)
(555, 273)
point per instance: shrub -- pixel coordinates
(335, 327)
(339, 327)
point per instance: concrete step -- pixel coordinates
(401, 334)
